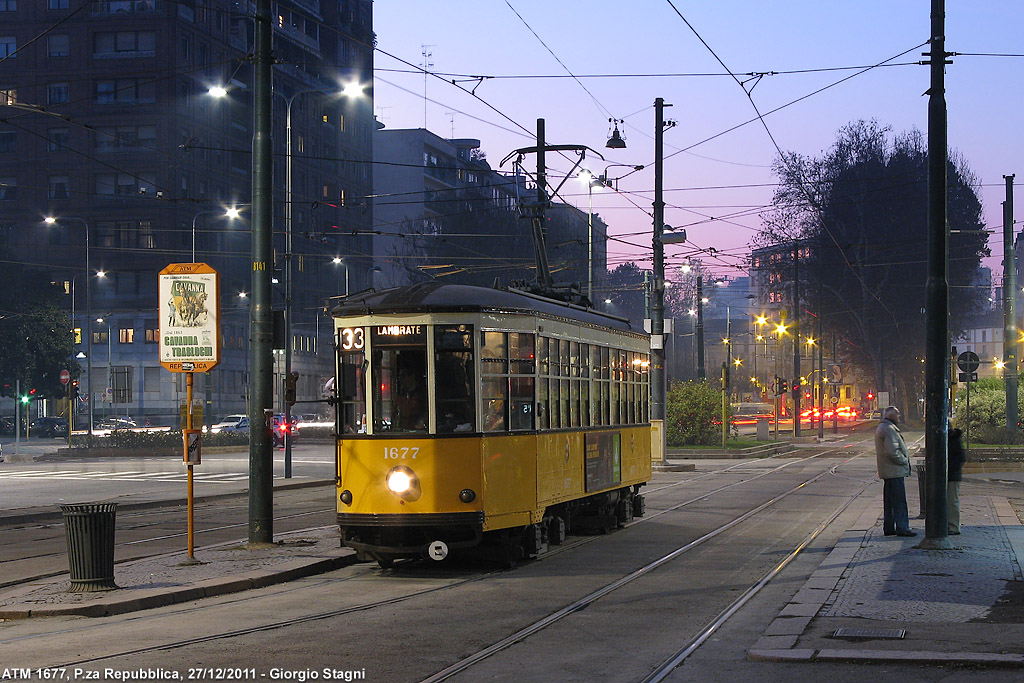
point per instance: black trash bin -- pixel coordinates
(921, 489)
(89, 530)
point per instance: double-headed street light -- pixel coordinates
(351, 89)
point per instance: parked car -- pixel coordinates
(231, 424)
(53, 427)
(6, 424)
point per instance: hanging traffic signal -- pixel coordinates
(289, 387)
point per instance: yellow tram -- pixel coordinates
(470, 416)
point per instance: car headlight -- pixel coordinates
(403, 482)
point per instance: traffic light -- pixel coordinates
(73, 389)
(783, 387)
(796, 390)
(29, 396)
(871, 396)
(289, 387)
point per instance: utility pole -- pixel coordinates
(1009, 312)
(701, 373)
(796, 338)
(658, 285)
(261, 463)
(937, 293)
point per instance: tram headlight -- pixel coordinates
(399, 481)
(403, 482)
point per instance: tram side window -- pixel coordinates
(351, 381)
(494, 380)
(399, 378)
(563, 384)
(616, 386)
(645, 388)
(603, 386)
(522, 366)
(585, 386)
(453, 347)
(543, 411)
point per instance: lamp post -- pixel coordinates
(110, 362)
(352, 89)
(337, 260)
(231, 214)
(51, 220)
(591, 182)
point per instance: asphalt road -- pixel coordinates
(52, 480)
(673, 573)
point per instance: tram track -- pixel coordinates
(582, 603)
(448, 584)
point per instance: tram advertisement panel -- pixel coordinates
(603, 459)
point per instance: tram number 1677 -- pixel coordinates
(400, 453)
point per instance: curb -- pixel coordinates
(45, 514)
(151, 598)
(887, 656)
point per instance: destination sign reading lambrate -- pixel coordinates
(189, 317)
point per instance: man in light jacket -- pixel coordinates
(893, 465)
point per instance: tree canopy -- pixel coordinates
(36, 341)
(859, 216)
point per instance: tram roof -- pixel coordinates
(433, 297)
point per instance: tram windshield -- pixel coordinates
(399, 372)
(453, 349)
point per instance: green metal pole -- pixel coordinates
(261, 463)
(937, 293)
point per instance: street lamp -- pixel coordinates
(351, 89)
(591, 181)
(110, 362)
(231, 214)
(52, 220)
(337, 260)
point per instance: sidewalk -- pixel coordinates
(164, 580)
(883, 599)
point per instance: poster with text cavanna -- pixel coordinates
(189, 296)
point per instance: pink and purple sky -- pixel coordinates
(718, 176)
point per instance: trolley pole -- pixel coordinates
(261, 361)
(658, 388)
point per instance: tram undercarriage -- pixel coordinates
(386, 538)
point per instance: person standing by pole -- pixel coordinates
(893, 466)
